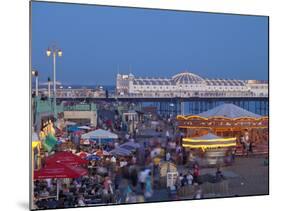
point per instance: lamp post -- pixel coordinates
(56, 52)
(35, 74)
(49, 87)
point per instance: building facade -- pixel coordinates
(81, 114)
(187, 84)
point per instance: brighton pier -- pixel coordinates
(185, 92)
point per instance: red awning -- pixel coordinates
(65, 158)
(59, 170)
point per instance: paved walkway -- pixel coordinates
(247, 176)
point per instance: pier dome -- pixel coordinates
(187, 78)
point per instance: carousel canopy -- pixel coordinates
(228, 110)
(99, 134)
(208, 141)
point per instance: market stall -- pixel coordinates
(100, 136)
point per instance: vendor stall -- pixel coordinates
(100, 136)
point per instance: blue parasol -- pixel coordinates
(93, 157)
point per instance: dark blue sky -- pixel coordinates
(96, 40)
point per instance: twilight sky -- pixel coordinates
(97, 41)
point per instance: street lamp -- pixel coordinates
(35, 74)
(49, 87)
(55, 51)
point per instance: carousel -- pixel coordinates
(214, 134)
(210, 149)
(226, 120)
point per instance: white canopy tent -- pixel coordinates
(84, 128)
(99, 135)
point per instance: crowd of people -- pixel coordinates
(114, 179)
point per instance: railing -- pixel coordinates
(46, 106)
(88, 93)
(80, 107)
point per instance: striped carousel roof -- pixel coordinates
(228, 110)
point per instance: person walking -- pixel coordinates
(142, 180)
(189, 178)
(168, 156)
(148, 186)
(196, 173)
(167, 135)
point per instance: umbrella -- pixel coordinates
(93, 157)
(120, 151)
(85, 127)
(78, 132)
(82, 155)
(65, 158)
(73, 128)
(105, 153)
(131, 146)
(59, 171)
(101, 153)
(85, 142)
